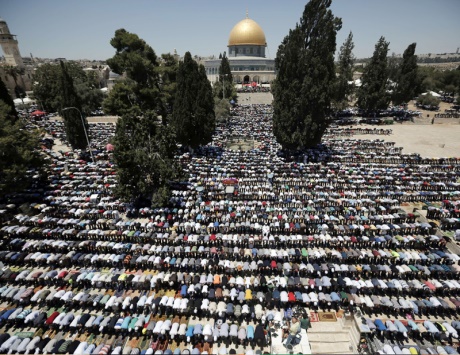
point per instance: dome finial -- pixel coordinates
(247, 15)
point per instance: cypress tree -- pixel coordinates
(304, 86)
(168, 76)
(373, 94)
(206, 106)
(224, 88)
(75, 131)
(225, 75)
(407, 84)
(193, 117)
(7, 99)
(345, 73)
(393, 67)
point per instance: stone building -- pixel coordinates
(16, 75)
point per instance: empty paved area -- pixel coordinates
(431, 141)
(264, 98)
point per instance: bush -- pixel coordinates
(428, 100)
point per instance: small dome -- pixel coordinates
(247, 32)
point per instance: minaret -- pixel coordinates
(10, 46)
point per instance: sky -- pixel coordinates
(82, 29)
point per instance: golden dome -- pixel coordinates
(247, 32)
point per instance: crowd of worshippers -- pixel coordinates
(350, 131)
(391, 337)
(399, 330)
(250, 236)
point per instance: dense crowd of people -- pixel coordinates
(248, 88)
(250, 238)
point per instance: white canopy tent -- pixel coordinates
(25, 101)
(356, 82)
(432, 93)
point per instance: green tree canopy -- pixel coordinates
(345, 67)
(430, 78)
(144, 156)
(71, 112)
(87, 89)
(47, 87)
(7, 99)
(121, 98)
(138, 61)
(224, 88)
(144, 142)
(428, 99)
(304, 86)
(450, 80)
(222, 109)
(168, 77)
(16, 73)
(18, 151)
(407, 83)
(439, 80)
(133, 57)
(394, 67)
(193, 117)
(373, 93)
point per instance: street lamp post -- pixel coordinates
(84, 128)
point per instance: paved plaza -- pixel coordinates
(438, 140)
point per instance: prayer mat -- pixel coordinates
(314, 317)
(327, 317)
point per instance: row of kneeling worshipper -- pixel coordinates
(246, 236)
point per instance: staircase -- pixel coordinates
(339, 337)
